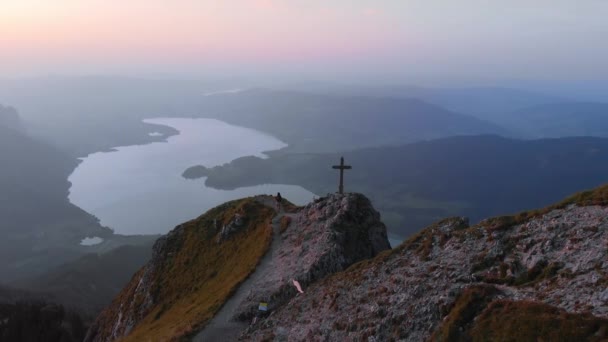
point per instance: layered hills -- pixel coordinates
(42, 231)
(538, 275)
(326, 123)
(558, 119)
(417, 184)
(36, 214)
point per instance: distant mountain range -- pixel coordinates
(562, 119)
(320, 123)
(416, 184)
(90, 114)
(521, 113)
(481, 102)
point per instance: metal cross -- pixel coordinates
(342, 167)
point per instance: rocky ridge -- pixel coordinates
(540, 275)
(323, 238)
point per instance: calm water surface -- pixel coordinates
(139, 189)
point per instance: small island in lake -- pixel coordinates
(196, 172)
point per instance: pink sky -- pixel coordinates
(515, 38)
(160, 31)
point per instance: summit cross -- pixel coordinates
(342, 167)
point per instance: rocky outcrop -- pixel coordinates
(535, 276)
(323, 238)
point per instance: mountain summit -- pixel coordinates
(208, 276)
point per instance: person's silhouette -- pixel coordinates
(279, 200)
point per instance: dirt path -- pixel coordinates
(222, 328)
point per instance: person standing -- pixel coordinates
(279, 200)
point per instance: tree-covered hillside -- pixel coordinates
(414, 185)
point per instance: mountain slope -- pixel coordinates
(486, 103)
(539, 275)
(84, 283)
(417, 184)
(41, 228)
(42, 231)
(560, 120)
(311, 122)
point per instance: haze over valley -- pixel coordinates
(169, 171)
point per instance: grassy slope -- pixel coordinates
(477, 316)
(199, 275)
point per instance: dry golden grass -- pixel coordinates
(470, 303)
(199, 275)
(533, 321)
(476, 316)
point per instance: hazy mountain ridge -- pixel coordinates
(558, 119)
(485, 103)
(417, 184)
(104, 112)
(35, 212)
(312, 122)
(82, 115)
(42, 230)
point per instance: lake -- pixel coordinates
(139, 189)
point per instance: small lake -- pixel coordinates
(139, 189)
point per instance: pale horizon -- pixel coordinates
(384, 40)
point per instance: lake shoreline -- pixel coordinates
(139, 190)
